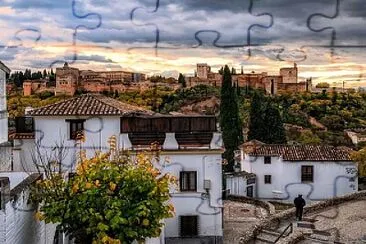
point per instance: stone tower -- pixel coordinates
(4, 73)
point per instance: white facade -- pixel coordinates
(3, 109)
(330, 178)
(17, 218)
(204, 203)
(238, 184)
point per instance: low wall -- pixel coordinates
(263, 204)
(276, 219)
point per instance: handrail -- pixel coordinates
(283, 232)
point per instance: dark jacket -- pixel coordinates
(299, 202)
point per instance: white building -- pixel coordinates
(284, 171)
(5, 149)
(17, 217)
(192, 145)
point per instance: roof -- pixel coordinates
(89, 104)
(4, 68)
(22, 136)
(304, 152)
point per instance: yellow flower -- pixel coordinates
(112, 186)
(75, 188)
(88, 185)
(39, 216)
(97, 183)
(145, 222)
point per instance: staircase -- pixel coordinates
(315, 236)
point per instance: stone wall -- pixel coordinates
(276, 219)
(263, 204)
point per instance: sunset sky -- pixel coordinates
(121, 34)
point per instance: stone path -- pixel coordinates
(342, 224)
(240, 217)
(345, 223)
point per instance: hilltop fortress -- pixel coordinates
(287, 80)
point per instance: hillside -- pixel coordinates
(309, 117)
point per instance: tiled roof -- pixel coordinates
(304, 152)
(22, 136)
(89, 105)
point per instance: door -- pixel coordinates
(250, 191)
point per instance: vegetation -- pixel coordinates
(19, 77)
(360, 158)
(230, 122)
(265, 123)
(181, 80)
(322, 85)
(112, 198)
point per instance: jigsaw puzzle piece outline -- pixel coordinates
(76, 29)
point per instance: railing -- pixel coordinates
(290, 226)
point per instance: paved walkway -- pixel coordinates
(345, 223)
(238, 218)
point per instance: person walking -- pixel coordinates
(299, 204)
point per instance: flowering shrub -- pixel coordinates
(112, 198)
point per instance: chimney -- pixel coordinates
(28, 110)
(4, 191)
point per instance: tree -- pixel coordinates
(112, 198)
(256, 120)
(182, 80)
(44, 74)
(273, 126)
(360, 158)
(322, 85)
(230, 122)
(308, 137)
(265, 121)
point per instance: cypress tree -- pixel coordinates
(265, 121)
(181, 80)
(275, 131)
(256, 119)
(230, 122)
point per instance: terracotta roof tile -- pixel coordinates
(22, 136)
(304, 152)
(89, 105)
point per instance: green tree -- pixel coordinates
(308, 137)
(360, 158)
(265, 121)
(322, 85)
(256, 119)
(111, 198)
(182, 80)
(273, 126)
(230, 122)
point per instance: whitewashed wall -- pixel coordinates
(330, 178)
(17, 221)
(3, 109)
(52, 131)
(237, 185)
(209, 211)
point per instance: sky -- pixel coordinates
(325, 38)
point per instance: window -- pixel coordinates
(267, 160)
(189, 225)
(268, 179)
(76, 127)
(307, 174)
(250, 181)
(188, 181)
